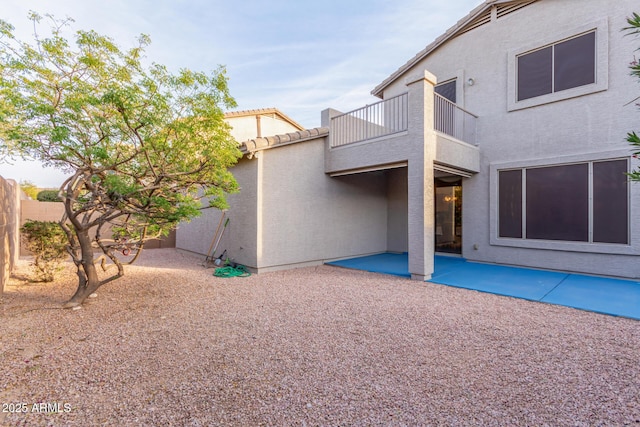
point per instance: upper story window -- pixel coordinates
(447, 90)
(560, 66)
(565, 64)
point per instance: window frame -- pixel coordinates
(561, 245)
(601, 30)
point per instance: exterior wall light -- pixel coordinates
(470, 82)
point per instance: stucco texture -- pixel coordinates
(566, 128)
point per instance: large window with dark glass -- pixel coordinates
(557, 203)
(560, 66)
(582, 202)
(610, 202)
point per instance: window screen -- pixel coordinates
(561, 66)
(534, 73)
(610, 202)
(510, 203)
(575, 62)
(558, 203)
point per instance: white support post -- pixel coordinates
(421, 209)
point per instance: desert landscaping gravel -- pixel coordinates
(169, 344)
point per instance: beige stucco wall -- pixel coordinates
(9, 228)
(53, 211)
(246, 127)
(308, 216)
(36, 210)
(397, 225)
(239, 239)
(591, 126)
(290, 213)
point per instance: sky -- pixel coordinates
(295, 55)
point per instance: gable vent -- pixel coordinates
(480, 20)
(507, 8)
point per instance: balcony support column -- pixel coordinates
(420, 174)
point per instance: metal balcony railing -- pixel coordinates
(392, 116)
(454, 121)
(373, 121)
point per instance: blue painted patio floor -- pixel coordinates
(599, 294)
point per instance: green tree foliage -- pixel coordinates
(632, 137)
(48, 196)
(47, 242)
(143, 145)
(29, 188)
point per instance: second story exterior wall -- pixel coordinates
(583, 126)
(592, 122)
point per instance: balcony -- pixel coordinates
(389, 133)
(383, 118)
(452, 120)
(391, 116)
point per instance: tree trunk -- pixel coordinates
(88, 281)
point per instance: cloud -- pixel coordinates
(300, 57)
(340, 69)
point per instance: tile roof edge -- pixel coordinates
(263, 143)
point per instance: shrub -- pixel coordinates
(29, 189)
(47, 241)
(48, 196)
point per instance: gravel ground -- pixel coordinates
(169, 344)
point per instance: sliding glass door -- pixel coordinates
(448, 221)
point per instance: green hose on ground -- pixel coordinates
(237, 271)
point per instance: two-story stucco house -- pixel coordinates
(503, 141)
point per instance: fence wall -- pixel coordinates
(9, 228)
(51, 211)
(36, 210)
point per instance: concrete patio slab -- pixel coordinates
(615, 297)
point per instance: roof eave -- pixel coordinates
(251, 146)
(263, 111)
(450, 33)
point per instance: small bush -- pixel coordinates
(48, 196)
(47, 241)
(29, 189)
